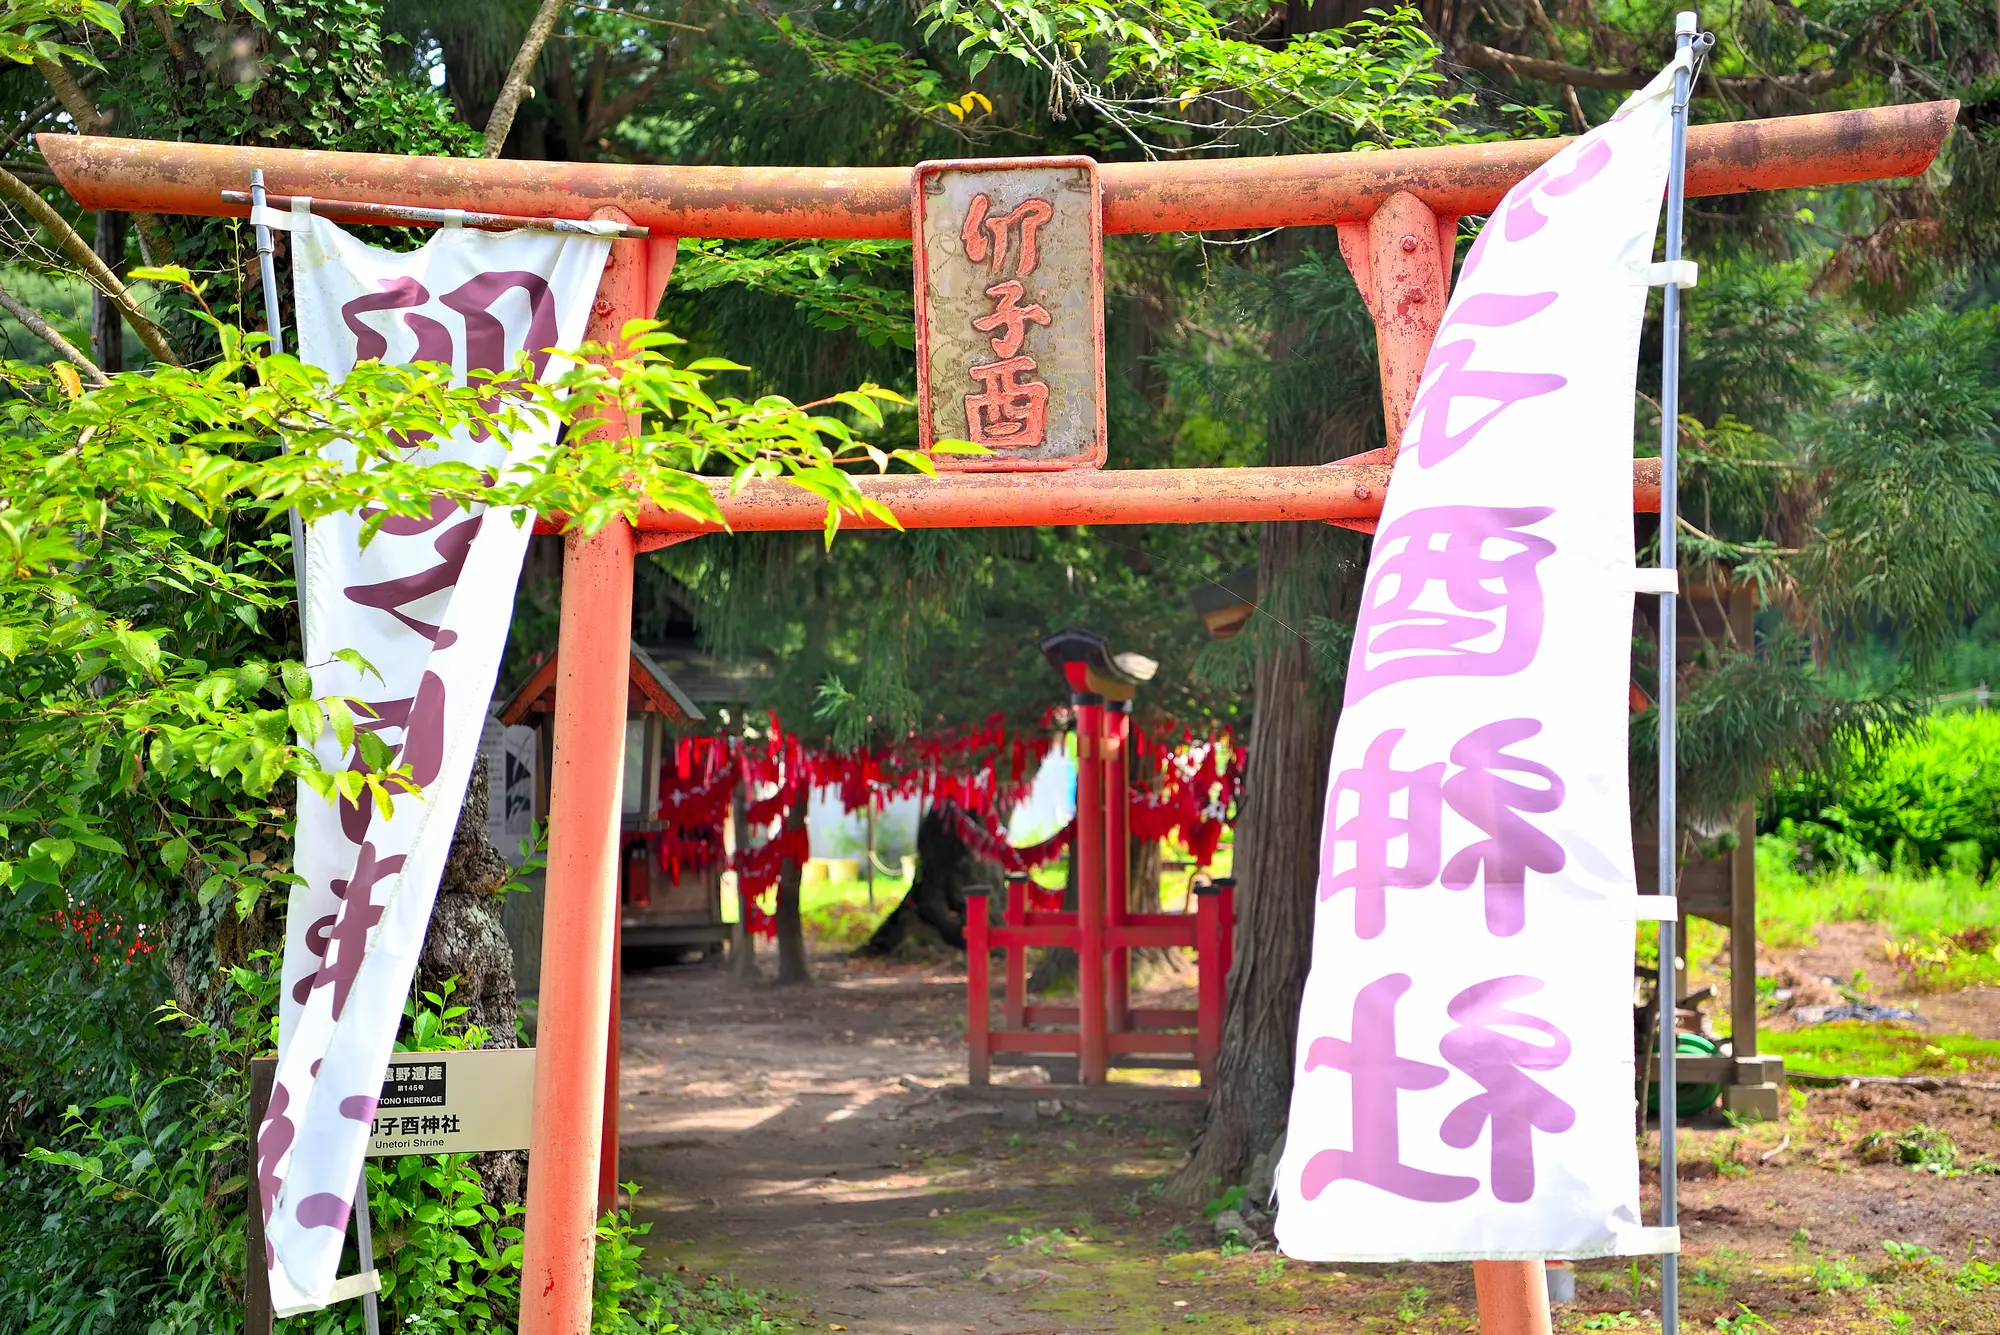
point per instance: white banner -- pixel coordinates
(1464, 1087)
(427, 603)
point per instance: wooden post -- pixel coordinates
(1088, 850)
(1227, 885)
(1014, 1006)
(607, 1150)
(1210, 970)
(1743, 935)
(1117, 862)
(1513, 1296)
(579, 934)
(978, 1012)
(257, 1315)
(1401, 262)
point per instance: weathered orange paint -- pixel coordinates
(575, 1032)
(1513, 1297)
(1337, 491)
(102, 172)
(1401, 261)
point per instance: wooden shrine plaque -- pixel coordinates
(1010, 311)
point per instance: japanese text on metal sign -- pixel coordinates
(1010, 311)
(1464, 1083)
(457, 1102)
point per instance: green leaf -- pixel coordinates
(375, 753)
(298, 681)
(306, 720)
(341, 718)
(174, 854)
(354, 660)
(58, 851)
(162, 273)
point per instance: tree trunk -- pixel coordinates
(1143, 896)
(932, 914)
(107, 328)
(793, 966)
(1277, 866)
(1143, 878)
(467, 944)
(1305, 573)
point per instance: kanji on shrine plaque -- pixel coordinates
(1010, 311)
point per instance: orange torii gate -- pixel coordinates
(1397, 213)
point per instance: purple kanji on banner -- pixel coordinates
(1477, 791)
(1513, 1105)
(1378, 1076)
(1373, 828)
(1513, 847)
(1429, 601)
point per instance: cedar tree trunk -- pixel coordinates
(932, 914)
(467, 944)
(793, 967)
(1308, 575)
(1277, 866)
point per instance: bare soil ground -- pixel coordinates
(818, 1143)
(1844, 949)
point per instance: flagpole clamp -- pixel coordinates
(1682, 274)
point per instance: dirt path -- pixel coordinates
(810, 1141)
(818, 1143)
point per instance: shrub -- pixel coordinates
(1928, 799)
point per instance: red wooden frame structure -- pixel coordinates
(1396, 211)
(1103, 1027)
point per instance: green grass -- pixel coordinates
(1879, 1049)
(837, 913)
(1791, 905)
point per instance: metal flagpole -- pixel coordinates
(267, 266)
(364, 1243)
(1685, 45)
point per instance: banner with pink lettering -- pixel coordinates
(427, 604)
(1464, 1086)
